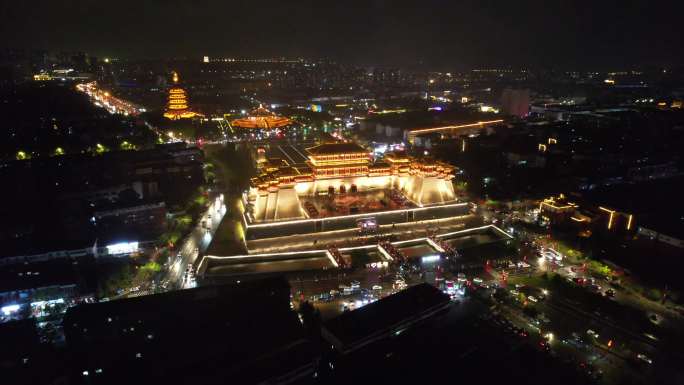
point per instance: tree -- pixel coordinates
(128, 196)
(557, 280)
(311, 317)
(360, 258)
(121, 278)
(531, 311)
(500, 294)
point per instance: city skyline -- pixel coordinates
(581, 35)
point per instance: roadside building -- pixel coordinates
(245, 333)
(140, 218)
(515, 102)
(36, 289)
(672, 236)
(379, 320)
(556, 209)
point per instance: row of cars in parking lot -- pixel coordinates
(542, 340)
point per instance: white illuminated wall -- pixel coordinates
(277, 205)
(122, 248)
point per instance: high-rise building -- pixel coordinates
(515, 102)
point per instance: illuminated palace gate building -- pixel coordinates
(333, 186)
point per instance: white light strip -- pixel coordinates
(409, 241)
(352, 215)
(357, 247)
(423, 130)
(462, 231)
(434, 245)
(502, 232)
(330, 257)
(267, 254)
(354, 229)
(384, 253)
(325, 252)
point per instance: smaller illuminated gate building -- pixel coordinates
(337, 170)
(261, 118)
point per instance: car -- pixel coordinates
(592, 333)
(610, 293)
(544, 345)
(644, 358)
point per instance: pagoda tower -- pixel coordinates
(177, 104)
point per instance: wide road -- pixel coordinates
(195, 243)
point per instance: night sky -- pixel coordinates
(446, 33)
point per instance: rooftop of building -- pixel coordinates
(45, 274)
(397, 156)
(354, 326)
(656, 204)
(174, 303)
(380, 164)
(17, 335)
(336, 148)
(239, 332)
